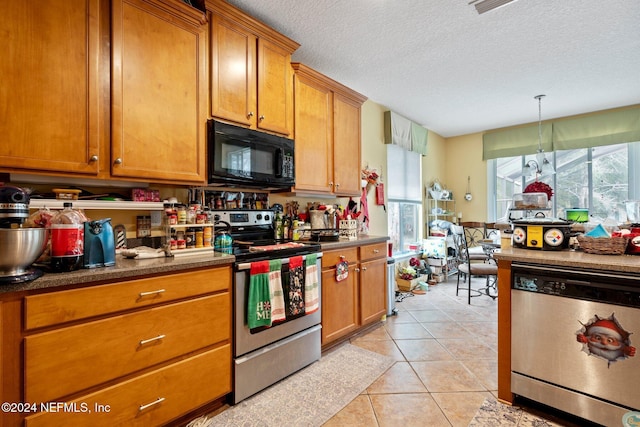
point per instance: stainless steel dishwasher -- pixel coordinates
(572, 341)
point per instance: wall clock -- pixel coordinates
(468, 195)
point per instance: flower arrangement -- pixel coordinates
(407, 273)
(415, 268)
(539, 187)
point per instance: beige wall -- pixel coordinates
(463, 160)
(374, 155)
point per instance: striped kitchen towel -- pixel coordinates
(311, 288)
(275, 288)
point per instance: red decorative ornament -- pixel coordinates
(539, 187)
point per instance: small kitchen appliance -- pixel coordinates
(541, 233)
(99, 244)
(14, 206)
(19, 248)
(577, 215)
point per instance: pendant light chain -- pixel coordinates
(539, 98)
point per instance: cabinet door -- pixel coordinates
(339, 305)
(51, 94)
(346, 142)
(275, 83)
(159, 106)
(373, 290)
(233, 72)
(314, 139)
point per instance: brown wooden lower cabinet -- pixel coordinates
(151, 353)
(150, 399)
(360, 299)
(373, 295)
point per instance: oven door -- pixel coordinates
(239, 156)
(247, 340)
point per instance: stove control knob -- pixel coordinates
(216, 217)
(267, 217)
(258, 216)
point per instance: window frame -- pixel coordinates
(633, 177)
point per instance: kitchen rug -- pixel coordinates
(493, 413)
(309, 397)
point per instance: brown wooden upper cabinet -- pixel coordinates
(50, 102)
(107, 89)
(159, 96)
(327, 117)
(251, 76)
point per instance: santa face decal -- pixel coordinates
(605, 338)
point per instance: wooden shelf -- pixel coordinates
(97, 204)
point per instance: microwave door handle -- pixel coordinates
(278, 166)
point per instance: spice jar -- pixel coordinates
(190, 238)
(199, 239)
(207, 236)
(182, 214)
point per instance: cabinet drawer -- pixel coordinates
(373, 251)
(331, 258)
(64, 306)
(184, 386)
(71, 359)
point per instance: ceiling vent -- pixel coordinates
(483, 6)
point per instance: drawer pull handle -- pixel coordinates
(375, 251)
(150, 340)
(157, 291)
(148, 405)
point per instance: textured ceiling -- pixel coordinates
(444, 66)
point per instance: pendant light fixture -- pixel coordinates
(539, 166)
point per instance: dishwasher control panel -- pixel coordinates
(584, 285)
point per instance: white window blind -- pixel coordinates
(404, 174)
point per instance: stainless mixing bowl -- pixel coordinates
(19, 248)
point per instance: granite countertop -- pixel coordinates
(571, 258)
(124, 269)
(361, 240)
(132, 268)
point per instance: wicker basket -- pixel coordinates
(603, 245)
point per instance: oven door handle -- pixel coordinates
(247, 265)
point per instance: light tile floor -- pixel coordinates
(446, 362)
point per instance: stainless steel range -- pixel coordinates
(574, 341)
(264, 355)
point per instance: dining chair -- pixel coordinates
(468, 267)
(474, 234)
(491, 231)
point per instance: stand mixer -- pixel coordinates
(19, 247)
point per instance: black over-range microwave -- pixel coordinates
(240, 157)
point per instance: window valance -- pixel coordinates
(604, 128)
(609, 128)
(403, 132)
(516, 141)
